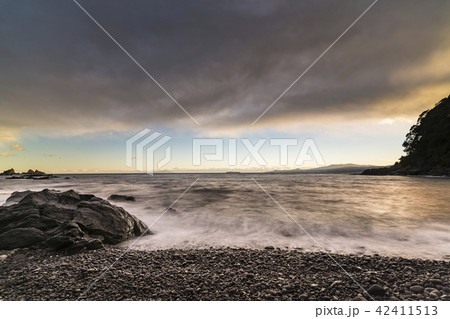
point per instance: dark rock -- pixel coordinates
(417, 289)
(376, 290)
(30, 174)
(20, 237)
(359, 298)
(269, 247)
(436, 281)
(336, 283)
(64, 220)
(8, 172)
(119, 198)
(392, 298)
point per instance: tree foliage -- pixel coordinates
(427, 144)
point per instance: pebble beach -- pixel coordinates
(218, 274)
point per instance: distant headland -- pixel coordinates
(30, 174)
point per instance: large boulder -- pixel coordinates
(64, 220)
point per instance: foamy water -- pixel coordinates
(388, 215)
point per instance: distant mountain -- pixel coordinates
(427, 145)
(330, 169)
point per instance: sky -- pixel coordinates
(70, 97)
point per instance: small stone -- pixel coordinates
(376, 290)
(436, 292)
(303, 296)
(20, 257)
(359, 298)
(3, 257)
(436, 281)
(416, 289)
(434, 295)
(393, 298)
(269, 247)
(337, 282)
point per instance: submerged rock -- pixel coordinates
(120, 198)
(63, 220)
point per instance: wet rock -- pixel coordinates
(63, 220)
(121, 198)
(20, 237)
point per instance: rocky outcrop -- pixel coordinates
(64, 220)
(36, 172)
(8, 172)
(30, 174)
(398, 169)
(427, 145)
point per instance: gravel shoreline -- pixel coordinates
(218, 274)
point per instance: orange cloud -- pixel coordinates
(6, 154)
(17, 147)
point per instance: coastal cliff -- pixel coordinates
(427, 145)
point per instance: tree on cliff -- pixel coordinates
(427, 144)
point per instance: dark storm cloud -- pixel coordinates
(225, 61)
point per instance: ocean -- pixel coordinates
(385, 215)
